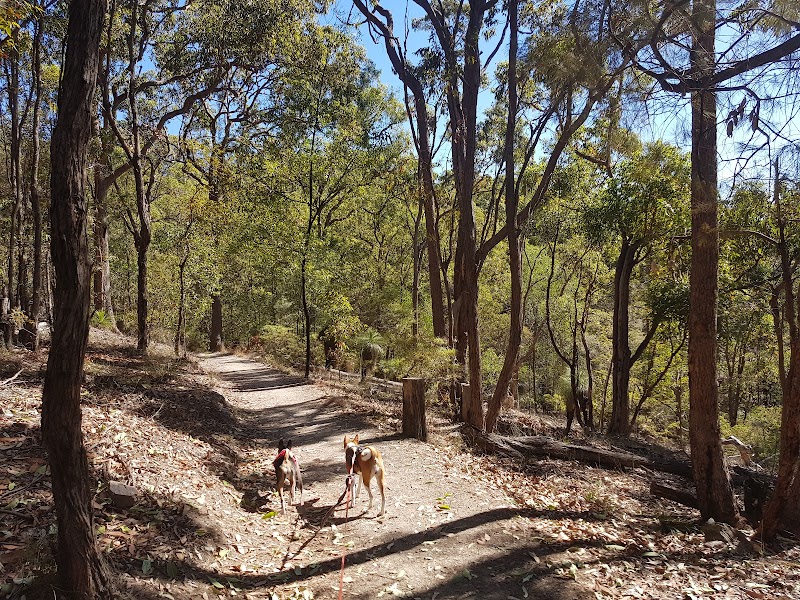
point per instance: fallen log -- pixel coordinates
(674, 494)
(542, 446)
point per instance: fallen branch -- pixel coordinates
(676, 495)
(12, 378)
(542, 446)
(745, 451)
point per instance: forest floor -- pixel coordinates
(197, 438)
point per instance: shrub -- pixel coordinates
(281, 345)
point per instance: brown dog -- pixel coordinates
(367, 462)
(287, 472)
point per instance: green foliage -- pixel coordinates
(101, 319)
(646, 200)
(279, 344)
(761, 430)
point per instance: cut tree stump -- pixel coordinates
(414, 409)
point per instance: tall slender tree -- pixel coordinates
(382, 21)
(81, 569)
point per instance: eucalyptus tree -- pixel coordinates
(81, 568)
(782, 508)
(17, 113)
(237, 117)
(762, 244)
(336, 123)
(566, 65)
(573, 283)
(680, 55)
(27, 101)
(421, 120)
(192, 55)
(34, 192)
(642, 208)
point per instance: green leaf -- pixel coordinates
(269, 515)
(172, 570)
(147, 566)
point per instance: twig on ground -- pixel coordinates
(12, 378)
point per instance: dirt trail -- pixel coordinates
(447, 533)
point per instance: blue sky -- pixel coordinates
(668, 118)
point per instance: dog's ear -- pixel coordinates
(355, 440)
(289, 444)
(345, 441)
(281, 445)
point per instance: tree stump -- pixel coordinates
(471, 411)
(466, 398)
(414, 408)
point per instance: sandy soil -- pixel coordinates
(446, 534)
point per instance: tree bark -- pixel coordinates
(80, 567)
(425, 159)
(12, 75)
(619, 424)
(102, 265)
(217, 344)
(514, 241)
(414, 424)
(782, 510)
(142, 299)
(35, 197)
(714, 493)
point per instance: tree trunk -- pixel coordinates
(216, 344)
(619, 424)
(180, 329)
(12, 74)
(80, 566)
(782, 510)
(674, 494)
(431, 229)
(306, 312)
(414, 425)
(514, 242)
(102, 265)
(142, 328)
(417, 267)
(714, 493)
(423, 146)
(36, 209)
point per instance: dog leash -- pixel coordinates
(348, 486)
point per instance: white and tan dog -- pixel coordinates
(366, 462)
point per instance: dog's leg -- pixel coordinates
(359, 478)
(379, 478)
(367, 484)
(291, 488)
(281, 480)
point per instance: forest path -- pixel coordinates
(448, 532)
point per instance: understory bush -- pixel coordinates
(283, 346)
